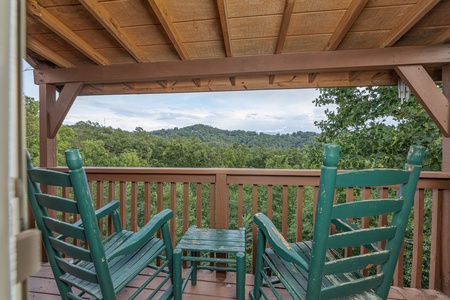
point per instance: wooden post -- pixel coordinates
(47, 146)
(47, 97)
(445, 231)
(221, 202)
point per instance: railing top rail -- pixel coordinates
(227, 171)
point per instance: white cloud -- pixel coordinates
(272, 111)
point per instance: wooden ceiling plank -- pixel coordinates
(165, 19)
(112, 25)
(443, 37)
(222, 8)
(46, 18)
(287, 14)
(61, 107)
(351, 14)
(408, 21)
(312, 62)
(428, 94)
(44, 51)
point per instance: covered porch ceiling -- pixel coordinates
(103, 47)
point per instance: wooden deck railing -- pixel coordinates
(227, 198)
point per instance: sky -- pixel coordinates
(268, 111)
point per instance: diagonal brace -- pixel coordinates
(429, 95)
(58, 111)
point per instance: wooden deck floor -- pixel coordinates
(43, 286)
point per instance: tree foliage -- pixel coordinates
(374, 129)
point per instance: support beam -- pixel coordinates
(58, 111)
(352, 76)
(351, 14)
(428, 94)
(309, 62)
(312, 77)
(165, 19)
(47, 97)
(445, 236)
(46, 18)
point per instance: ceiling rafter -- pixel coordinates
(45, 17)
(351, 14)
(166, 21)
(112, 25)
(223, 15)
(44, 51)
(408, 21)
(224, 24)
(287, 14)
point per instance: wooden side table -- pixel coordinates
(204, 240)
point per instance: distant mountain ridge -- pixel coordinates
(213, 135)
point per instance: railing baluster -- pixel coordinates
(349, 197)
(99, 202)
(212, 199)
(173, 207)
(160, 196)
(199, 204)
(240, 204)
(417, 255)
(284, 226)
(147, 202)
(299, 231)
(269, 201)
(435, 281)
(185, 206)
(111, 196)
(123, 203)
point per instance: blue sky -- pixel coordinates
(269, 111)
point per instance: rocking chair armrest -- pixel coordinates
(278, 243)
(102, 211)
(143, 235)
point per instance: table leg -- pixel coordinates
(194, 269)
(177, 277)
(240, 276)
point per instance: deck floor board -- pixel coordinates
(209, 286)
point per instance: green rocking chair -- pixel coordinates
(316, 269)
(95, 267)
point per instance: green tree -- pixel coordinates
(32, 127)
(374, 129)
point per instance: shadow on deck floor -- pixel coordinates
(43, 286)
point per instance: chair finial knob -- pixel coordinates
(416, 155)
(73, 159)
(330, 155)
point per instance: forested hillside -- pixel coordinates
(209, 134)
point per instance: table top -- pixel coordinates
(213, 240)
